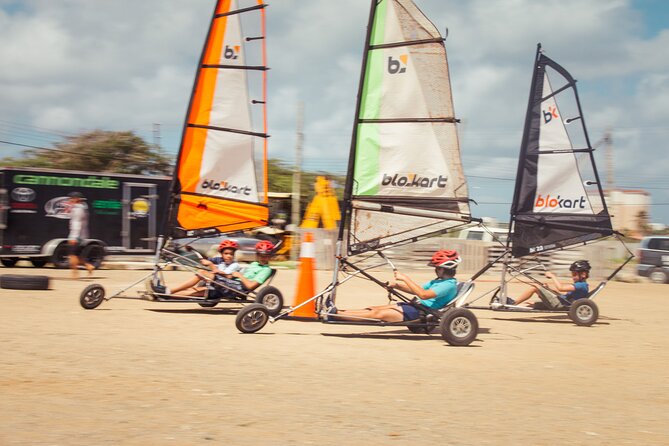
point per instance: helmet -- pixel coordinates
(580, 265)
(264, 247)
(228, 244)
(75, 194)
(445, 258)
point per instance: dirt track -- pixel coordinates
(142, 373)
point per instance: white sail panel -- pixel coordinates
(436, 173)
(225, 172)
(560, 189)
(227, 169)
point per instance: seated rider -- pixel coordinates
(243, 281)
(435, 294)
(580, 271)
(218, 267)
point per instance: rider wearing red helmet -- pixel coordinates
(435, 294)
(218, 268)
(228, 244)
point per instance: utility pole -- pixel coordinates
(297, 175)
(156, 137)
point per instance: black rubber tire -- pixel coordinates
(9, 262)
(271, 298)
(93, 254)
(61, 256)
(38, 263)
(459, 326)
(24, 282)
(584, 312)
(252, 318)
(208, 303)
(658, 275)
(92, 296)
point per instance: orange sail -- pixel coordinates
(216, 185)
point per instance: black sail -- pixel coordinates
(558, 199)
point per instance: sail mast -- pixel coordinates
(174, 186)
(348, 188)
(524, 143)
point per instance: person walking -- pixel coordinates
(78, 232)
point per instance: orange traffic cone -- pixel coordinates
(306, 283)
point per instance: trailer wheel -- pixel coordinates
(93, 254)
(61, 256)
(584, 312)
(9, 262)
(459, 326)
(24, 282)
(272, 299)
(252, 318)
(92, 296)
(38, 263)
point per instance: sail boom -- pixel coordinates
(403, 210)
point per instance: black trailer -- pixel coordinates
(124, 213)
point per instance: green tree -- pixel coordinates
(98, 151)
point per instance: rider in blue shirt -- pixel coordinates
(435, 294)
(568, 292)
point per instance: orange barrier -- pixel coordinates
(306, 283)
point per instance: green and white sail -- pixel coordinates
(405, 175)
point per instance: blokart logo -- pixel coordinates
(223, 186)
(413, 180)
(231, 53)
(550, 114)
(559, 202)
(23, 194)
(396, 66)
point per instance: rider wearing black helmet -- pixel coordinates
(569, 292)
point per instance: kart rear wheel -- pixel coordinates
(584, 312)
(252, 318)
(92, 296)
(272, 299)
(459, 326)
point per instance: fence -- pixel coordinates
(604, 256)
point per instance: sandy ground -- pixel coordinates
(141, 373)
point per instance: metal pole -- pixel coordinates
(297, 176)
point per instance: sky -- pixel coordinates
(72, 66)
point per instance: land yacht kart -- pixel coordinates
(457, 326)
(184, 257)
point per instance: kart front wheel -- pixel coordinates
(252, 318)
(92, 296)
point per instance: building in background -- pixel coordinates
(629, 209)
